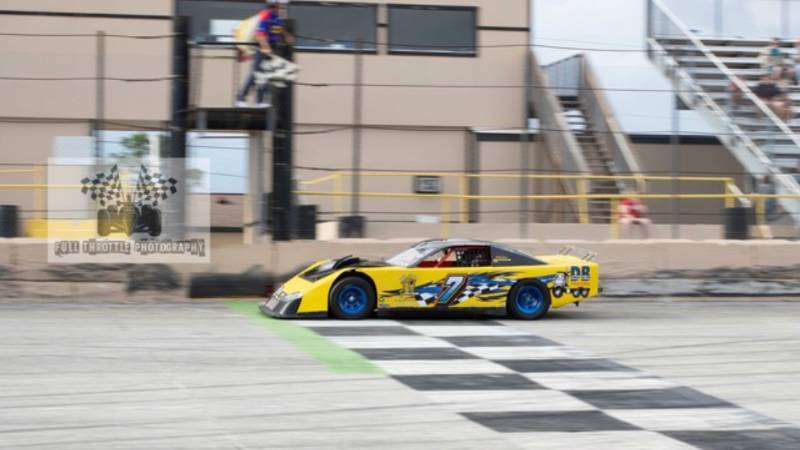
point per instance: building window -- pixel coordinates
(419, 30)
(324, 26)
(214, 21)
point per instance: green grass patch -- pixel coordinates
(338, 359)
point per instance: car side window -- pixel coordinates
(431, 260)
(469, 256)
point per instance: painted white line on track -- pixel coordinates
(599, 380)
(696, 419)
(467, 330)
(448, 367)
(325, 323)
(597, 440)
(366, 342)
(538, 352)
(507, 401)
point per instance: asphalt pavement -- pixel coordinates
(621, 374)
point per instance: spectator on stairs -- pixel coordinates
(797, 61)
(772, 58)
(772, 96)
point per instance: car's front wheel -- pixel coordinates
(351, 298)
(528, 301)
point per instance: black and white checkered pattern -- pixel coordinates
(540, 394)
(152, 188)
(276, 70)
(105, 188)
(479, 290)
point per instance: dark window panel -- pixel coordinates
(331, 26)
(431, 29)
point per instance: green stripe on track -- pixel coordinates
(336, 358)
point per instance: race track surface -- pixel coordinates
(622, 374)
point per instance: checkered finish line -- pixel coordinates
(540, 394)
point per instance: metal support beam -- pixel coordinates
(358, 74)
(254, 224)
(178, 111)
(282, 154)
(676, 167)
(100, 91)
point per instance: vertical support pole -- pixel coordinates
(282, 153)
(177, 124)
(729, 201)
(718, 22)
(676, 166)
(583, 202)
(524, 151)
(337, 199)
(38, 193)
(463, 202)
(473, 182)
(358, 68)
(100, 92)
(254, 205)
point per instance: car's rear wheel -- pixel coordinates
(528, 301)
(351, 298)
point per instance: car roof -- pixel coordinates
(443, 243)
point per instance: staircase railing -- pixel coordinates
(662, 23)
(553, 126)
(598, 111)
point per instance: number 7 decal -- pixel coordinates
(452, 285)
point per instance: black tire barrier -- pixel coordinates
(9, 221)
(737, 222)
(351, 227)
(206, 285)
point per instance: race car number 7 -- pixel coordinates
(452, 285)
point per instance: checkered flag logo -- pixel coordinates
(153, 188)
(104, 188)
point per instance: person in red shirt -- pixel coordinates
(633, 213)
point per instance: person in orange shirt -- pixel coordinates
(633, 213)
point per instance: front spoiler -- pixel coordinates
(288, 310)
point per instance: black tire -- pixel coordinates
(528, 300)
(103, 223)
(352, 298)
(153, 220)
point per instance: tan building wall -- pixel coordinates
(712, 160)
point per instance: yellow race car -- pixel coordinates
(452, 274)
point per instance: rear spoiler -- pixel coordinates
(582, 253)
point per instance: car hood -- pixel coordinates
(326, 267)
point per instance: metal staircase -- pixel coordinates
(597, 141)
(594, 153)
(702, 72)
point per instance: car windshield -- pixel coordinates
(409, 257)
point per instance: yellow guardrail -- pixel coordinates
(582, 185)
(730, 195)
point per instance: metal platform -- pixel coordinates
(232, 119)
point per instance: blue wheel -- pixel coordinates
(528, 300)
(352, 298)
